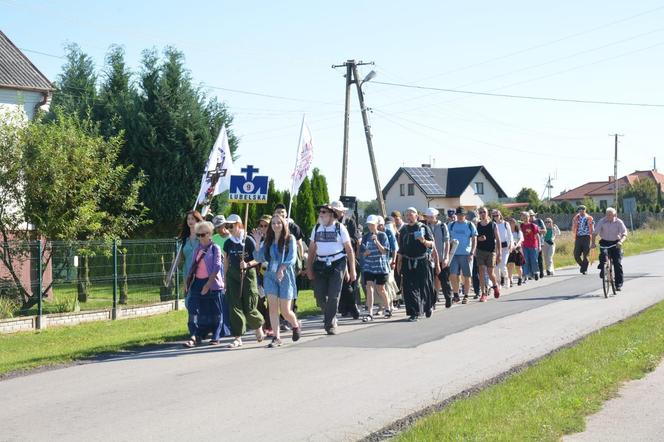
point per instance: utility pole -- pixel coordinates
(615, 170)
(352, 77)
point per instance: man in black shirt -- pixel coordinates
(415, 244)
(487, 253)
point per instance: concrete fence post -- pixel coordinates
(40, 301)
(114, 311)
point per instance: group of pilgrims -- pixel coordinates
(239, 280)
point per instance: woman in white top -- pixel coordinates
(515, 259)
(506, 242)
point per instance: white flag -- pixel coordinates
(305, 156)
(218, 170)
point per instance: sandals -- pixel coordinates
(296, 334)
(275, 343)
(235, 344)
(465, 300)
(191, 343)
(367, 318)
(214, 342)
(388, 314)
(259, 335)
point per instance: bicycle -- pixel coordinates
(608, 281)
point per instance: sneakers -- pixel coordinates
(618, 288)
(275, 343)
(536, 277)
(388, 314)
(428, 313)
(448, 302)
(412, 319)
(331, 331)
(520, 281)
(496, 292)
(296, 334)
(367, 318)
(483, 298)
(502, 281)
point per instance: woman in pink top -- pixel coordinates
(205, 288)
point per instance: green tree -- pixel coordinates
(528, 195)
(319, 188)
(76, 86)
(644, 190)
(303, 212)
(74, 189)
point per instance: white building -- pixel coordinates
(23, 87)
(421, 187)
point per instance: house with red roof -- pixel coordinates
(603, 192)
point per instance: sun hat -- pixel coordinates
(431, 212)
(218, 221)
(531, 212)
(338, 206)
(372, 219)
(381, 220)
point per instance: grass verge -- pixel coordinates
(552, 397)
(638, 241)
(58, 345)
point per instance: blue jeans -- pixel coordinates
(531, 267)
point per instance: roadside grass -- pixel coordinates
(638, 241)
(59, 345)
(552, 397)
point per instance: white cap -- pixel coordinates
(232, 219)
(381, 220)
(372, 219)
(411, 209)
(431, 212)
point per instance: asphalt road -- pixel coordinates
(324, 387)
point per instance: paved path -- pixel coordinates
(322, 388)
(637, 414)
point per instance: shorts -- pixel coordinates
(284, 289)
(460, 264)
(484, 258)
(377, 278)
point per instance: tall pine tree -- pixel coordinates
(304, 211)
(319, 188)
(76, 86)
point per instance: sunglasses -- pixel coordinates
(229, 226)
(323, 212)
(201, 235)
(495, 215)
(263, 226)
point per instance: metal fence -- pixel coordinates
(85, 275)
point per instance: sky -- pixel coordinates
(590, 50)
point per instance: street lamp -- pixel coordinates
(370, 76)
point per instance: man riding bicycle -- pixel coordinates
(612, 233)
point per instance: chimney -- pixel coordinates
(610, 178)
(426, 165)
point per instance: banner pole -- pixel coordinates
(297, 157)
(244, 246)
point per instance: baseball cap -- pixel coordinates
(389, 219)
(460, 211)
(218, 221)
(531, 212)
(372, 219)
(396, 214)
(412, 209)
(431, 212)
(381, 220)
(266, 218)
(232, 219)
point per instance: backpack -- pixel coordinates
(337, 229)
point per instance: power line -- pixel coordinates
(520, 97)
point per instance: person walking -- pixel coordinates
(441, 236)
(465, 233)
(279, 251)
(350, 291)
(330, 259)
(530, 245)
(582, 229)
(220, 232)
(258, 234)
(542, 231)
(415, 244)
(241, 283)
(188, 243)
(205, 288)
(488, 253)
(612, 232)
(391, 288)
(506, 245)
(516, 260)
(549, 245)
(374, 249)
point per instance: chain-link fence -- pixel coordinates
(85, 275)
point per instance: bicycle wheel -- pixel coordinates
(612, 280)
(606, 281)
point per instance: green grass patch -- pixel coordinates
(553, 397)
(638, 241)
(65, 344)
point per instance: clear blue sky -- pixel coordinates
(593, 50)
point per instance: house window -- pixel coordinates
(411, 189)
(479, 188)
(603, 204)
(402, 189)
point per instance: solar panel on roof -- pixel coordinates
(425, 179)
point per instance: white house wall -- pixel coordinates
(12, 100)
(470, 199)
